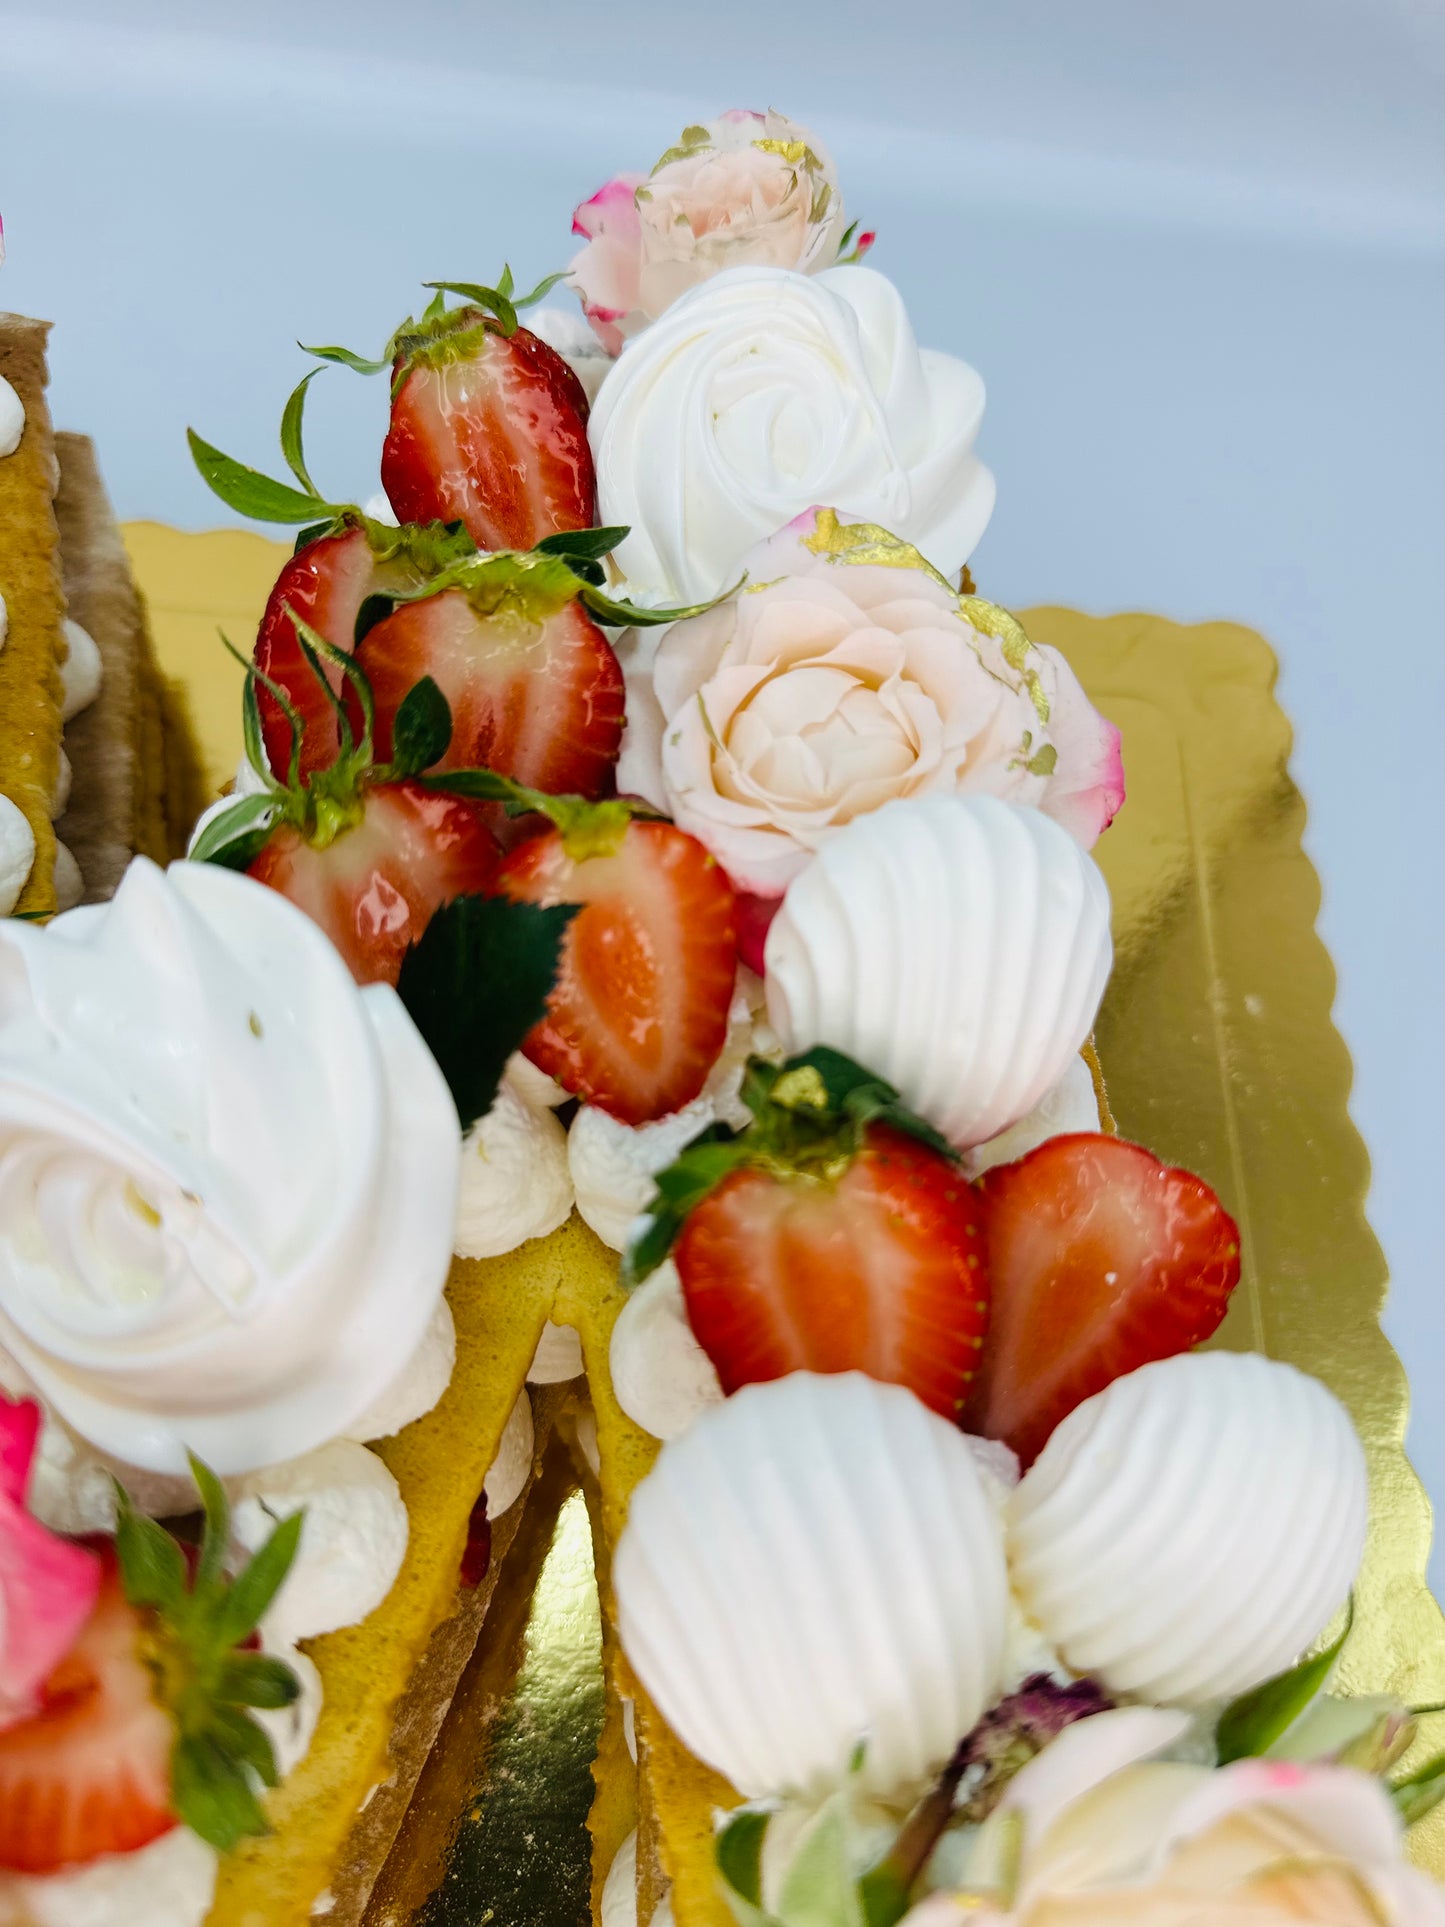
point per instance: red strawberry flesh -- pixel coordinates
(879, 1270)
(1103, 1260)
(490, 430)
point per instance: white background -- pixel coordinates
(1197, 247)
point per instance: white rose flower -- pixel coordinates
(763, 392)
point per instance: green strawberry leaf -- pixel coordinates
(248, 1741)
(258, 1582)
(491, 299)
(1251, 1724)
(216, 1534)
(236, 837)
(476, 983)
(249, 492)
(152, 1566)
(422, 731)
(543, 288)
(697, 1171)
(632, 615)
(291, 448)
(257, 1679)
(1420, 1792)
(344, 358)
(212, 1792)
(591, 543)
(739, 1851)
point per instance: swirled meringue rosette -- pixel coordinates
(763, 392)
(845, 674)
(227, 1177)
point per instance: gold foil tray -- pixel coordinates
(1220, 1055)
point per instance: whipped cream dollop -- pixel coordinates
(558, 1356)
(353, 1537)
(1072, 1105)
(64, 780)
(170, 1883)
(227, 1176)
(12, 418)
(956, 945)
(662, 1377)
(81, 672)
(17, 853)
(1186, 1533)
(515, 1182)
(619, 1891)
(510, 1470)
(813, 1563)
(770, 391)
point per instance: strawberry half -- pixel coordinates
(1103, 1259)
(144, 1723)
(639, 1013)
(488, 424)
(370, 851)
(837, 1233)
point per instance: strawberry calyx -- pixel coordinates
(588, 829)
(196, 1621)
(428, 547)
(439, 334)
(810, 1120)
(533, 584)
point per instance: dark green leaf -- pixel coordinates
(291, 444)
(216, 1534)
(152, 1566)
(423, 729)
(477, 983)
(249, 492)
(1420, 1792)
(492, 299)
(740, 1852)
(486, 786)
(212, 1793)
(257, 1584)
(236, 836)
(257, 1679)
(698, 1169)
(592, 543)
(316, 649)
(305, 537)
(344, 358)
(1251, 1724)
(247, 1741)
(374, 608)
(885, 1899)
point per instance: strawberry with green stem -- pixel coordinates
(639, 1012)
(836, 1233)
(147, 1721)
(364, 848)
(488, 424)
(342, 556)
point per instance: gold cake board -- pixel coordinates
(1220, 1055)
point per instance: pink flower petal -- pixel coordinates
(48, 1586)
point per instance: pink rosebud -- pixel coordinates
(48, 1586)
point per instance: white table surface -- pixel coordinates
(1197, 249)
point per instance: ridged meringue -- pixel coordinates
(959, 946)
(814, 1563)
(1189, 1531)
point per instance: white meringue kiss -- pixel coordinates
(814, 1563)
(958, 946)
(764, 391)
(227, 1175)
(1189, 1531)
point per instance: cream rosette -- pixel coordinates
(763, 392)
(227, 1176)
(745, 190)
(847, 673)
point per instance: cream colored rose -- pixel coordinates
(745, 190)
(1100, 1835)
(846, 674)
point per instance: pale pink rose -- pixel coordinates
(1107, 1837)
(746, 190)
(845, 673)
(47, 1585)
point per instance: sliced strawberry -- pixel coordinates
(1103, 1259)
(640, 1009)
(537, 697)
(487, 428)
(325, 584)
(879, 1270)
(374, 886)
(90, 1773)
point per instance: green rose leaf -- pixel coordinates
(1251, 1724)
